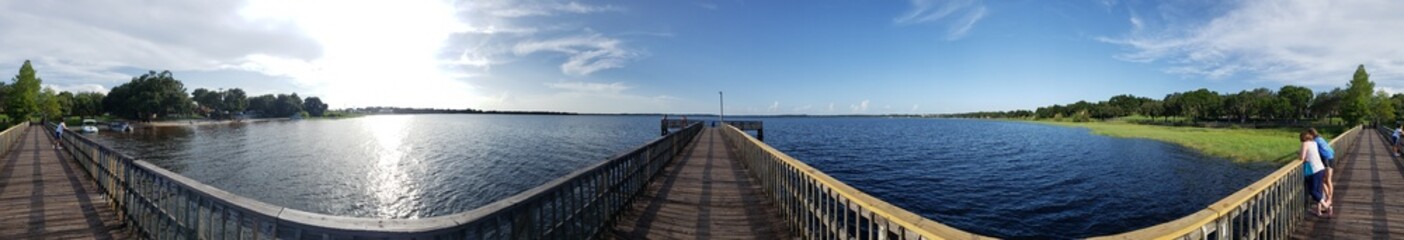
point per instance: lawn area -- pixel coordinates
(1277, 145)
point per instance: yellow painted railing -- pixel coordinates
(821, 207)
(1268, 209)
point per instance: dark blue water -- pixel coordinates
(1004, 179)
(1013, 179)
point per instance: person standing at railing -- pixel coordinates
(58, 134)
(1311, 160)
(1395, 140)
(1328, 158)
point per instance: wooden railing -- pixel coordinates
(1268, 209)
(159, 204)
(821, 207)
(1387, 133)
(10, 136)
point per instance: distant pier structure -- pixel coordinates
(666, 125)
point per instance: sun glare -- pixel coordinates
(390, 183)
(375, 53)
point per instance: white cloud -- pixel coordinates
(960, 15)
(861, 107)
(803, 108)
(774, 106)
(549, 9)
(831, 107)
(588, 53)
(613, 88)
(915, 106)
(78, 88)
(91, 41)
(1308, 42)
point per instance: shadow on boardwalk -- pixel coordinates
(43, 196)
(1369, 194)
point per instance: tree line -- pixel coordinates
(147, 97)
(1356, 104)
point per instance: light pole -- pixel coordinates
(721, 108)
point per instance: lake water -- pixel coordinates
(1013, 179)
(1004, 179)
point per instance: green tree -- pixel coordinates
(314, 106)
(1327, 104)
(1241, 105)
(1355, 106)
(65, 100)
(211, 102)
(49, 105)
(1398, 100)
(1127, 104)
(149, 96)
(1298, 98)
(1153, 109)
(1200, 103)
(287, 105)
(263, 104)
(235, 100)
(87, 104)
(22, 95)
(1384, 108)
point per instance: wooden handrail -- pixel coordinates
(909, 225)
(1213, 218)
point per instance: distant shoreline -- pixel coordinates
(180, 123)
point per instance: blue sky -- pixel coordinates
(770, 57)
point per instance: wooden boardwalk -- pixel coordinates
(1369, 193)
(45, 197)
(704, 194)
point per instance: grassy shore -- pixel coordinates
(1277, 145)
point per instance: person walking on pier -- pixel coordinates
(1311, 162)
(58, 134)
(1328, 158)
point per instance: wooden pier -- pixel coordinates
(697, 182)
(1369, 197)
(705, 194)
(43, 196)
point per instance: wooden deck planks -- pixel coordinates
(1369, 198)
(43, 196)
(704, 194)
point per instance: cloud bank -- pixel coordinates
(1308, 42)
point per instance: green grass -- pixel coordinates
(1277, 145)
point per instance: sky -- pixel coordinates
(768, 57)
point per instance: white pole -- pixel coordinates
(721, 113)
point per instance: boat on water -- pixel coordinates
(119, 126)
(89, 126)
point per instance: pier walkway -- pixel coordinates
(697, 182)
(43, 196)
(1369, 193)
(705, 194)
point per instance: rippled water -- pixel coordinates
(393, 166)
(1005, 179)
(1013, 179)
